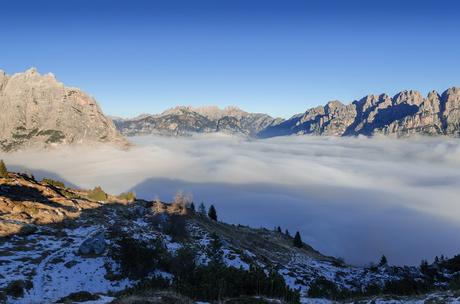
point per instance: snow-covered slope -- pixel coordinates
(49, 261)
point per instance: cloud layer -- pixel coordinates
(353, 197)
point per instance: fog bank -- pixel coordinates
(352, 197)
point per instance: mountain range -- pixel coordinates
(407, 113)
(39, 111)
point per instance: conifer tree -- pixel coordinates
(297, 240)
(287, 233)
(278, 229)
(383, 261)
(3, 170)
(212, 213)
(192, 207)
(202, 209)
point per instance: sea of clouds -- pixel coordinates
(356, 198)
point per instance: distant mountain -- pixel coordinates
(188, 120)
(39, 111)
(405, 114)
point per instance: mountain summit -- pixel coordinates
(39, 111)
(186, 120)
(405, 114)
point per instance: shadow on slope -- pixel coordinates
(357, 224)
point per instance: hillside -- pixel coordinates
(407, 113)
(39, 111)
(58, 241)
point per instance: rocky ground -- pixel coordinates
(58, 245)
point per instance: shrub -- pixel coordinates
(16, 288)
(80, 296)
(3, 170)
(454, 283)
(176, 228)
(323, 288)
(53, 182)
(406, 287)
(128, 196)
(137, 259)
(97, 194)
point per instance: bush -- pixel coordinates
(323, 288)
(128, 196)
(137, 259)
(16, 288)
(3, 170)
(53, 182)
(406, 287)
(80, 296)
(97, 194)
(452, 265)
(176, 228)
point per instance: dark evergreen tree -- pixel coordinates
(436, 260)
(383, 261)
(279, 229)
(287, 233)
(297, 240)
(212, 213)
(192, 207)
(202, 209)
(3, 170)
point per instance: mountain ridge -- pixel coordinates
(186, 120)
(405, 114)
(39, 111)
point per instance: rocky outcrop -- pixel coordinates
(188, 120)
(95, 244)
(405, 114)
(39, 111)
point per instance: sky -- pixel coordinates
(277, 57)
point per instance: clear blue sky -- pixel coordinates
(279, 57)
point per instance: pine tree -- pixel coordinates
(3, 170)
(215, 251)
(192, 207)
(383, 261)
(278, 229)
(287, 233)
(202, 209)
(297, 240)
(212, 213)
(436, 260)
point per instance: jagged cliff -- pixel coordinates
(187, 120)
(39, 111)
(405, 114)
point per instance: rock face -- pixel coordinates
(93, 245)
(188, 120)
(39, 111)
(405, 114)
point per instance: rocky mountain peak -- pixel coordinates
(407, 113)
(410, 97)
(39, 111)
